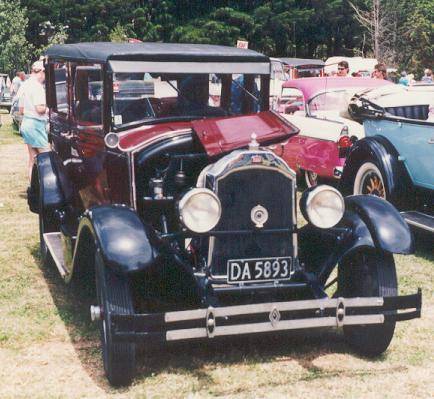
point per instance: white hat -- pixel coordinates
(38, 66)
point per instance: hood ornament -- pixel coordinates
(253, 145)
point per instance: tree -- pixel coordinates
(417, 38)
(118, 34)
(14, 49)
(53, 35)
(381, 19)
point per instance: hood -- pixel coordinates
(217, 135)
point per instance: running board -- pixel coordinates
(420, 220)
(54, 245)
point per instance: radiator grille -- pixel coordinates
(239, 192)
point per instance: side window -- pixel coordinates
(88, 89)
(60, 88)
(277, 71)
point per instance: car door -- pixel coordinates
(87, 143)
(414, 142)
(58, 89)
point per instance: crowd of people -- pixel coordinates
(30, 93)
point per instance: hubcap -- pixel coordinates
(373, 185)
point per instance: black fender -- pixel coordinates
(379, 150)
(48, 185)
(368, 222)
(388, 229)
(125, 243)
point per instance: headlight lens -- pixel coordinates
(200, 210)
(323, 206)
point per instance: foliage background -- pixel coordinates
(292, 28)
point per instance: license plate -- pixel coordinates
(259, 270)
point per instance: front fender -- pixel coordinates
(382, 152)
(124, 241)
(388, 230)
(368, 222)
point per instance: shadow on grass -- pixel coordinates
(424, 245)
(187, 358)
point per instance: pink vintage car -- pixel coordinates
(327, 131)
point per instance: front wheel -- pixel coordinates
(368, 273)
(114, 295)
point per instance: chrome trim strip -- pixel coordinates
(186, 333)
(259, 68)
(183, 315)
(280, 325)
(364, 319)
(133, 180)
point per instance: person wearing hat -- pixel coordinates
(33, 107)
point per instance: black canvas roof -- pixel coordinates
(105, 51)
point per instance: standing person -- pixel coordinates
(17, 81)
(380, 71)
(343, 69)
(427, 77)
(32, 105)
(403, 80)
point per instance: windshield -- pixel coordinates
(141, 97)
(331, 102)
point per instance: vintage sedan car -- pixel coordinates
(15, 113)
(303, 67)
(396, 159)
(327, 131)
(185, 222)
(5, 94)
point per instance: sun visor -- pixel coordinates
(256, 68)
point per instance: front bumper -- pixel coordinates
(264, 317)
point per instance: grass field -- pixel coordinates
(50, 349)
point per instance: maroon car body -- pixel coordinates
(157, 190)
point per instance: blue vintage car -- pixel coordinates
(396, 158)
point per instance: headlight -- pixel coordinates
(200, 210)
(323, 206)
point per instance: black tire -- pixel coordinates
(363, 274)
(114, 295)
(46, 225)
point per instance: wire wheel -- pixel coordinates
(369, 180)
(311, 178)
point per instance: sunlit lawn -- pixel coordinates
(49, 348)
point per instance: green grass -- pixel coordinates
(50, 349)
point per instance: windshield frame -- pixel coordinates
(336, 90)
(262, 99)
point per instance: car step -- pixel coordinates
(54, 245)
(419, 220)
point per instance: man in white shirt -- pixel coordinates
(17, 81)
(32, 105)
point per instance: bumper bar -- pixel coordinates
(264, 317)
